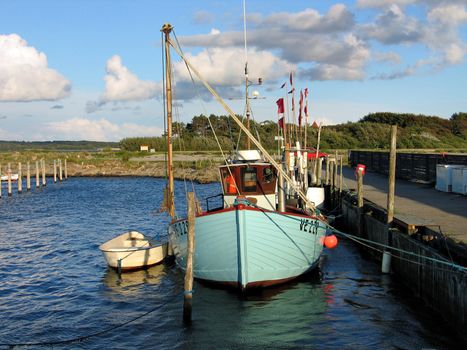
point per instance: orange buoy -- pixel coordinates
(330, 241)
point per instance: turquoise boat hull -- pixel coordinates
(247, 247)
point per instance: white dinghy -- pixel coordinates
(132, 250)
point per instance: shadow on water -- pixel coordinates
(55, 285)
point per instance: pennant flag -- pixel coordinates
(300, 110)
(291, 91)
(291, 79)
(280, 106)
(305, 109)
(283, 85)
(281, 123)
(306, 92)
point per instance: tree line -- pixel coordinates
(371, 131)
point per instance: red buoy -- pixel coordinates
(330, 241)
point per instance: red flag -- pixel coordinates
(305, 109)
(280, 106)
(291, 79)
(306, 92)
(281, 123)
(283, 85)
(300, 110)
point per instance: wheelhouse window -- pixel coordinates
(249, 178)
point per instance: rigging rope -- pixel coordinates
(209, 119)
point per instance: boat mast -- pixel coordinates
(247, 100)
(166, 29)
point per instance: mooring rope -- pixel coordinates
(92, 335)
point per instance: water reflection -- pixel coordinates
(128, 282)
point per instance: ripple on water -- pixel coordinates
(55, 285)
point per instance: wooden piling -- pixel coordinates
(359, 188)
(60, 170)
(341, 176)
(334, 174)
(44, 181)
(37, 174)
(66, 170)
(326, 180)
(55, 171)
(318, 171)
(28, 177)
(188, 294)
(9, 180)
(392, 174)
(20, 179)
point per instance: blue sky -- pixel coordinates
(73, 70)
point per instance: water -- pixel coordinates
(54, 285)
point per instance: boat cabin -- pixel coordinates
(256, 181)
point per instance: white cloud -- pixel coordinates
(394, 27)
(383, 3)
(25, 75)
(96, 130)
(225, 66)
(122, 85)
(391, 57)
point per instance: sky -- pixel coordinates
(92, 69)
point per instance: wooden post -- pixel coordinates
(28, 177)
(392, 174)
(9, 180)
(66, 170)
(166, 29)
(188, 295)
(37, 174)
(44, 182)
(60, 170)
(359, 188)
(318, 171)
(55, 171)
(20, 178)
(326, 181)
(334, 174)
(341, 176)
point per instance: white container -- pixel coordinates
(459, 180)
(444, 177)
(316, 195)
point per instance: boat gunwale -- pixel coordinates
(246, 207)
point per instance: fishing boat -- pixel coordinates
(252, 240)
(133, 250)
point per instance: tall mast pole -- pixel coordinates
(247, 102)
(166, 29)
